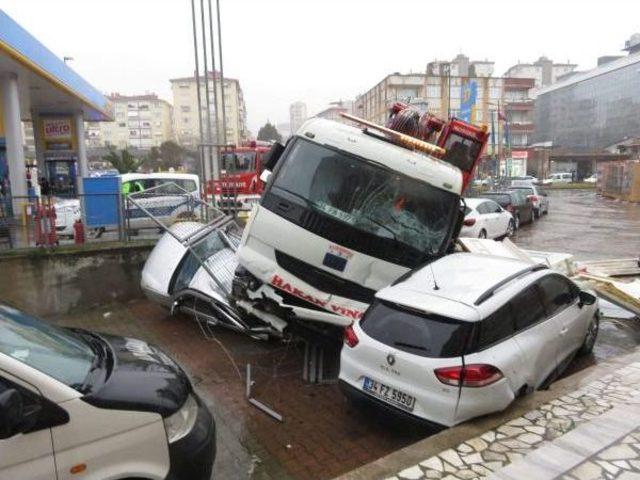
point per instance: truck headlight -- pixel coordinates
(180, 423)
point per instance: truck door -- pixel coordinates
(26, 455)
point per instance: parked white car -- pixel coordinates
(77, 404)
(561, 177)
(465, 336)
(484, 218)
(592, 179)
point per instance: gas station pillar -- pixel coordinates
(83, 167)
(13, 136)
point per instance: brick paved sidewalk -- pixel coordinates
(590, 433)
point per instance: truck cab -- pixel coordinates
(344, 213)
(239, 186)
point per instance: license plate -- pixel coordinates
(390, 395)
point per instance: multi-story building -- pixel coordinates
(140, 121)
(187, 121)
(544, 72)
(440, 90)
(580, 116)
(297, 115)
(335, 109)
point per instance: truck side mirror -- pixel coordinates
(264, 176)
(272, 156)
(11, 413)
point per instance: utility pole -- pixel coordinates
(208, 159)
(224, 111)
(216, 158)
(203, 167)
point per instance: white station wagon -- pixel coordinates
(464, 336)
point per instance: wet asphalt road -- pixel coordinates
(586, 225)
(590, 227)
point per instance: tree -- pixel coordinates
(124, 161)
(269, 133)
(168, 155)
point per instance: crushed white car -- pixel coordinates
(445, 348)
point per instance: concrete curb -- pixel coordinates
(73, 250)
(423, 449)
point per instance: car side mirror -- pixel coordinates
(264, 176)
(499, 210)
(11, 413)
(586, 299)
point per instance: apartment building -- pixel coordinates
(297, 115)
(543, 71)
(333, 111)
(187, 121)
(140, 121)
(440, 91)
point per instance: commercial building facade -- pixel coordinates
(592, 110)
(140, 121)
(37, 87)
(186, 119)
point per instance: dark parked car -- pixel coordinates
(515, 202)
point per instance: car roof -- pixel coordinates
(475, 201)
(126, 177)
(465, 282)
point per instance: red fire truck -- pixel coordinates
(239, 187)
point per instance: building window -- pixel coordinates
(185, 108)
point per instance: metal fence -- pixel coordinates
(27, 222)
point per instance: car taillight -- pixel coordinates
(533, 198)
(510, 208)
(469, 222)
(350, 337)
(474, 375)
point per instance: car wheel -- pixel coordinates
(511, 228)
(517, 222)
(591, 336)
(482, 234)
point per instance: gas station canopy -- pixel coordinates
(45, 83)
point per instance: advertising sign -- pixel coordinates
(468, 94)
(57, 133)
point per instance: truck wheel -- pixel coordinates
(511, 228)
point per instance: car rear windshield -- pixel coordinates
(415, 332)
(503, 199)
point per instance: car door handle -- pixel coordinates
(564, 331)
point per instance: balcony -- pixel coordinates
(521, 127)
(519, 83)
(519, 105)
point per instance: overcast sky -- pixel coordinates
(317, 51)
